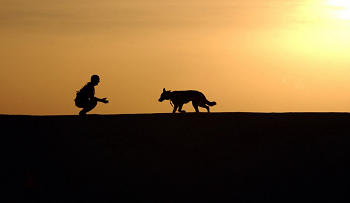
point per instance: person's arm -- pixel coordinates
(104, 100)
(92, 97)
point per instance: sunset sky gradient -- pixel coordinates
(247, 55)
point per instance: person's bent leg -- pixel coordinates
(91, 104)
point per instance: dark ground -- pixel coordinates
(217, 157)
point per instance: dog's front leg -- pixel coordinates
(180, 109)
(175, 107)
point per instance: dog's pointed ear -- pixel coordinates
(164, 90)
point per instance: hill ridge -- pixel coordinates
(177, 157)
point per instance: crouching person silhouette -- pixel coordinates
(86, 96)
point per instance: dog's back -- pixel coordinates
(183, 97)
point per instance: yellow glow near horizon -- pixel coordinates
(343, 8)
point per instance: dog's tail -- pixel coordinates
(210, 103)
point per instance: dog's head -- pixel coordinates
(164, 96)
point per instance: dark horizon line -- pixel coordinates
(228, 112)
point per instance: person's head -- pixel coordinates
(95, 79)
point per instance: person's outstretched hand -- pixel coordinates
(104, 100)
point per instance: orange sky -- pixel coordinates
(247, 55)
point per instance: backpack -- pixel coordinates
(83, 93)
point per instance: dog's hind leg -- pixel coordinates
(195, 106)
(180, 109)
(205, 106)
